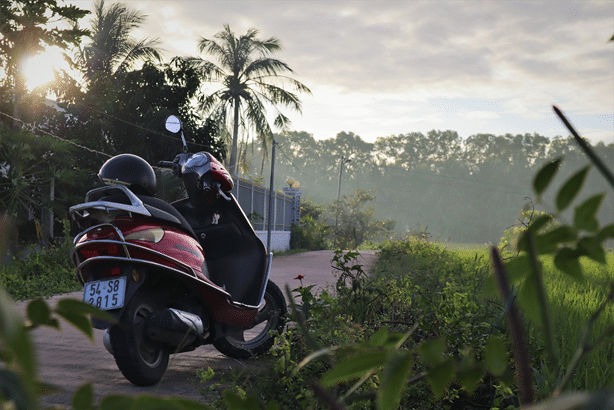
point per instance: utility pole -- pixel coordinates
(343, 161)
(269, 212)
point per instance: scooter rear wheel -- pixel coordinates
(257, 340)
(142, 361)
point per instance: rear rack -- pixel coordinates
(97, 207)
(124, 255)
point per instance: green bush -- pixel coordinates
(414, 284)
(40, 273)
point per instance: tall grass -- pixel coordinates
(571, 305)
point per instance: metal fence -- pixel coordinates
(254, 200)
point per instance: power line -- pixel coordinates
(34, 127)
(136, 125)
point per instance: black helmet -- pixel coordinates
(131, 171)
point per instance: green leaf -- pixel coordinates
(38, 312)
(393, 380)
(16, 341)
(539, 223)
(518, 269)
(440, 377)
(77, 313)
(470, 378)
(432, 351)
(116, 402)
(181, 403)
(495, 356)
(570, 189)
(606, 232)
(79, 321)
(549, 242)
(13, 389)
(528, 299)
(236, 402)
(545, 175)
(568, 261)
(592, 248)
(353, 368)
(378, 338)
(83, 308)
(585, 215)
(83, 399)
(272, 405)
(149, 402)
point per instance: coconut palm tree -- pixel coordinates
(249, 81)
(112, 50)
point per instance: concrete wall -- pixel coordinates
(280, 240)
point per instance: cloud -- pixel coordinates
(378, 66)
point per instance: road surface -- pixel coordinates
(67, 359)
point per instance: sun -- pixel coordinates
(38, 69)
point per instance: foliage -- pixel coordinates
(111, 49)
(566, 244)
(509, 240)
(363, 343)
(462, 192)
(26, 30)
(355, 223)
(40, 272)
(250, 81)
(312, 232)
(29, 163)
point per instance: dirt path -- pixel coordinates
(67, 359)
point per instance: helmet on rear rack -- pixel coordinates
(131, 171)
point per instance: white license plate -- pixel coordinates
(106, 294)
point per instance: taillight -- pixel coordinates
(100, 249)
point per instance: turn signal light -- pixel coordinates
(153, 235)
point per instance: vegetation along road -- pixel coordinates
(67, 359)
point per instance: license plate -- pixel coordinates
(106, 294)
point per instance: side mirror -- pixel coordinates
(173, 124)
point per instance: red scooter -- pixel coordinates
(175, 276)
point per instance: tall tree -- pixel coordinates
(250, 81)
(24, 31)
(111, 49)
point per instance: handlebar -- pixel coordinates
(167, 164)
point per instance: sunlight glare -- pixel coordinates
(38, 69)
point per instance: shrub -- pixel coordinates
(40, 272)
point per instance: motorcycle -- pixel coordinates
(175, 276)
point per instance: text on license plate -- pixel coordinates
(106, 294)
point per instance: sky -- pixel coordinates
(378, 68)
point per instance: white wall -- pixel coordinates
(280, 240)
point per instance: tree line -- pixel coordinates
(466, 190)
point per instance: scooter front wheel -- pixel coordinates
(142, 361)
(258, 340)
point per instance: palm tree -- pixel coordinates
(112, 50)
(250, 80)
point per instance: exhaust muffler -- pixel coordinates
(174, 327)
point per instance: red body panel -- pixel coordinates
(219, 173)
(175, 244)
(176, 250)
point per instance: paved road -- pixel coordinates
(67, 359)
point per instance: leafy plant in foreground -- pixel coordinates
(567, 243)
